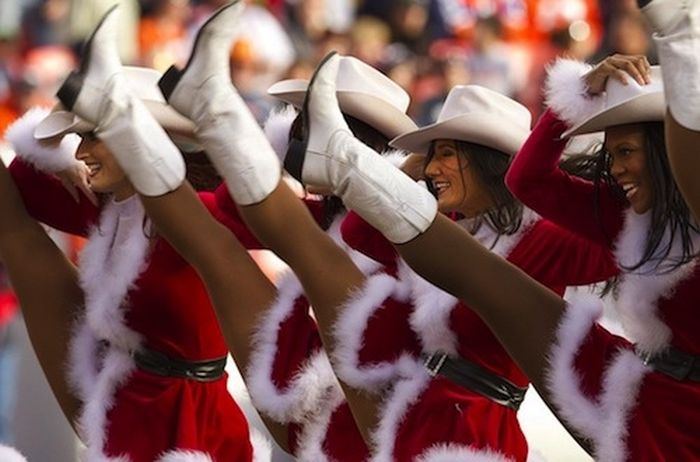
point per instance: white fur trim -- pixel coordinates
(309, 384)
(639, 292)
(277, 128)
(562, 377)
(566, 92)
(315, 428)
(8, 454)
(184, 456)
(349, 333)
(112, 260)
(602, 419)
(535, 456)
(110, 263)
(457, 452)
(398, 400)
(396, 157)
(117, 367)
(50, 160)
(363, 262)
(262, 448)
(82, 359)
(433, 306)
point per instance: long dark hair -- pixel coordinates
(669, 212)
(490, 166)
(332, 205)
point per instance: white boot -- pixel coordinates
(98, 94)
(677, 27)
(203, 92)
(367, 183)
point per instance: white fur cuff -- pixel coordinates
(566, 92)
(46, 159)
(277, 128)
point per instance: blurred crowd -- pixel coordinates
(427, 46)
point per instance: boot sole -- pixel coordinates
(172, 76)
(296, 152)
(70, 89)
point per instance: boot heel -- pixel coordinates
(69, 91)
(296, 152)
(169, 81)
(294, 159)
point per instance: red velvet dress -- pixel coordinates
(601, 387)
(138, 292)
(382, 332)
(431, 417)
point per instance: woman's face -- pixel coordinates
(627, 148)
(457, 187)
(105, 175)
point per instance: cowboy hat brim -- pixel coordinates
(484, 129)
(143, 83)
(373, 111)
(643, 108)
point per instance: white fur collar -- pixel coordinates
(46, 159)
(112, 260)
(433, 306)
(639, 292)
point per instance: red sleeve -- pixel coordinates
(225, 210)
(50, 203)
(361, 236)
(536, 180)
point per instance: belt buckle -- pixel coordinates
(434, 362)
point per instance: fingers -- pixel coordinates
(84, 186)
(621, 66)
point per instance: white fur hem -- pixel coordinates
(603, 419)
(349, 336)
(456, 452)
(309, 385)
(50, 160)
(566, 93)
(262, 448)
(399, 399)
(184, 456)
(8, 454)
(315, 428)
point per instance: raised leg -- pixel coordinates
(47, 287)
(677, 27)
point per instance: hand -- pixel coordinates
(619, 67)
(413, 166)
(75, 179)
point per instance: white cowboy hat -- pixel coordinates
(477, 115)
(363, 92)
(143, 82)
(625, 104)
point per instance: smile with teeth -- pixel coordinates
(94, 168)
(441, 186)
(630, 190)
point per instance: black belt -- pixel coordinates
(476, 378)
(161, 364)
(674, 363)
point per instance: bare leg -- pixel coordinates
(239, 290)
(327, 273)
(677, 27)
(522, 313)
(47, 286)
(681, 144)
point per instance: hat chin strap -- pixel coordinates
(99, 95)
(677, 23)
